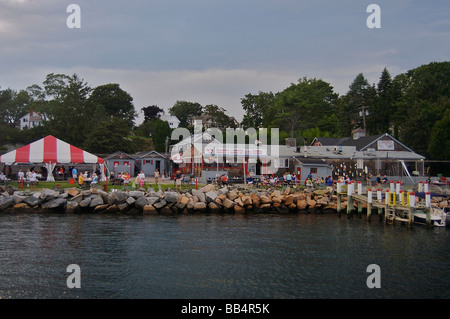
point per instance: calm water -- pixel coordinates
(219, 256)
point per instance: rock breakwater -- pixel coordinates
(204, 200)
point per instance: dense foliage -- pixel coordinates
(412, 106)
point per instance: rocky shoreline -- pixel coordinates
(207, 199)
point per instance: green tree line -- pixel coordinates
(412, 106)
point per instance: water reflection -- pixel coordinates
(219, 256)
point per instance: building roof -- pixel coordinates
(148, 154)
(119, 155)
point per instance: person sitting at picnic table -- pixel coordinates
(80, 179)
(250, 180)
(94, 179)
(309, 183)
(385, 179)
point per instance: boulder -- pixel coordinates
(227, 203)
(31, 201)
(72, 192)
(171, 197)
(98, 200)
(207, 188)
(111, 209)
(136, 194)
(149, 210)
(130, 200)
(200, 207)
(199, 194)
(239, 209)
(151, 200)
(232, 195)
(302, 204)
(85, 202)
(288, 200)
(100, 208)
(54, 203)
(6, 202)
(160, 204)
(265, 199)
(210, 196)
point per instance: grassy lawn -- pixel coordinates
(65, 185)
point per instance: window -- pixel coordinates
(313, 170)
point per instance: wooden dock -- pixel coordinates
(392, 207)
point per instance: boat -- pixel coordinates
(438, 217)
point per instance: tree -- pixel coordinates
(439, 146)
(161, 132)
(218, 117)
(256, 107)
(115, 139)
(302, 105)
(151, 112)
(114, 101)
(380, 118)
(422, 96)
(70, 119)
(355, 106)
(184, 111)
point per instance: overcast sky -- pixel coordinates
(217, 51)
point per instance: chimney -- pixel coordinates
(291, 142)
(357, 133)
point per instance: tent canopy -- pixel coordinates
(50, 150)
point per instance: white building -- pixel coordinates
(172, 120)
(30, 120)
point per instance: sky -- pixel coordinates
(217, 51)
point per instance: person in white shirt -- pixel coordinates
(33, 178)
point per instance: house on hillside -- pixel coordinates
(30, 120)
(173, 121)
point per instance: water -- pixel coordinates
(219, 256)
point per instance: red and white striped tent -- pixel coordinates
(51, 151)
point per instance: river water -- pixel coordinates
(220, 256)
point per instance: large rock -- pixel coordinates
(200, 207)
(149, 210)
(72, 192)
(171, 197)
(302, 204)
(210, 196)
(119, 197)
(85, 202)
(232, 195)
(96, 201)
(33, 201)
(227, 203)
(160, 204)
(207, 188)
(199, 194)
(141, 202)
(6, 202)
(136, 194)
(54, 203)
(152, 199)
